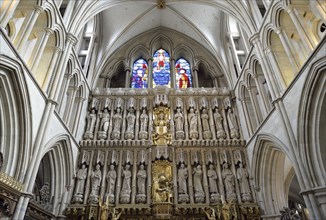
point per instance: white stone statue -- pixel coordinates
(192, 118)
(182, 179)
(233, 124)
(131, 118)
(178, 120)
(212, 178)
(220, 133)
(126, 185)
(91, 119)
(205, 124)
(141, 180)
(198, 179)
(143, 121)
(104, 125)
(111, 179)
(117, 119)
(228, 179)
(96, 178)
(242, 176)
(80, 183)
(45, 194)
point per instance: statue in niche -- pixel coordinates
(228, 179)
(141, 184)
(220, 133)
(182, 179)
(117, 119)
(45, 194)
(111, 179)
(192, 118)
(163, 192)
(80, 183)
(96, 178)
(198, 179)
(91, 119)
(233, 124)
(212, 178)
(178, 122)
(126, 185)
(104, 125)
(205, 124)
(242, 176)
(131, 118)
(143, 121)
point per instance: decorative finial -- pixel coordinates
(161, 4)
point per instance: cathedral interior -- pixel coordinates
(162, 109)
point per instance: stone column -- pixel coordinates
(211, 123)
(186, 126)
(225, 123)
(68, 12)
(40, 49)
(262, 94)
(190, 184)
(88, 180)
(72, 90)
(28, 28)
(149, 177)
(195, 77)
(255, 105)
(287, 48)
(172, 71)
(150, 73)
(309, 46)
(118, 187)
(137, 124)
(275, 92)
(175, 177)
(127, 81)
(8, 13)
(246, 114)
(64, 89)
(275, 67)
(80, 101)
(205, 182)
(134, 179)
(50, 72)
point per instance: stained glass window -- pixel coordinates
(139, 74)
(183, 76)
(161, 68)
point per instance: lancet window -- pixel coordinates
(161, 68)
(183, 75)
(139, 78)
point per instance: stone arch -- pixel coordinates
(272, 170)
(15, 126)
(161, 41)
(312, 123)
(55, 159)
(139, 51)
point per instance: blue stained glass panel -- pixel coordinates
(161, 68)
(183, 75)
(139, 74)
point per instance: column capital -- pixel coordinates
(172, 58)
(268, 50)
(48, 31)
(150, 59)
(127, 69)
(289, 9)
(57, 49)
(195, 69)
(38, 9)
(254, 38)
(72, 39)
(278, 30)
